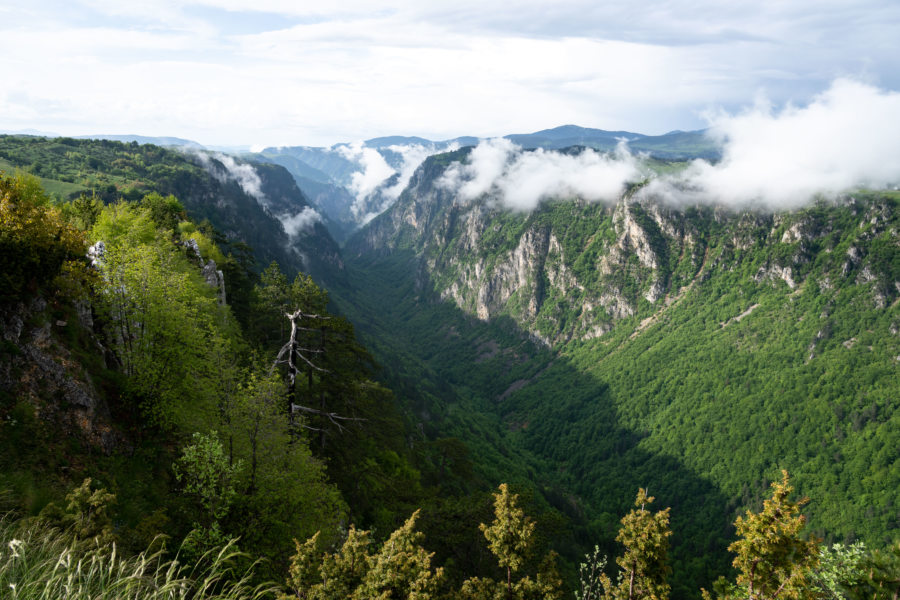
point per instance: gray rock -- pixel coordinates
(43, 373)
(97, 254)
(194, 248)
(215, 278)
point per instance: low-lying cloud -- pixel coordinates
(245, 175)
(377, 184)
(374, 169)
(848, 137)
(241, 173)
(303, 221)
(521, 180)
(413, 156)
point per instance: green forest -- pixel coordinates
(191, 409)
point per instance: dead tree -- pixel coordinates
(292, 353)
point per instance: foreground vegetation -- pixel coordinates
(44, 564)
(220, 423)
(210, 427)
(773, 560)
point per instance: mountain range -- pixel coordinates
(585, 346)
(693, 349)
(367, 176)
(349, 183)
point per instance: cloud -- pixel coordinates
(302, 221)
(521, 180)
(413, 155)
(315, 74)
(377, 184)
(485, 165)
(846, 137)
(244, 174)
(374, 171)
(589, 175)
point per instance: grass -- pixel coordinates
(53, 187)
(39, 563)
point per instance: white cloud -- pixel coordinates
(374, 171)
(302, 221)
(369, 185)
(483, 168)
(590, 175)
(521, 180)
(244, 174)
(847, 137)
(413, 156)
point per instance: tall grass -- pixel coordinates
(39, 563)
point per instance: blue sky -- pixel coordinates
(272, 72)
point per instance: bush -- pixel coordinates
(35, 239)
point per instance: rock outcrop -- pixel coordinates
(215, 279)
(576, 274)
(38, 368)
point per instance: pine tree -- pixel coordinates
(881, 575)
(773, 561)
(509, 536)
(400, 569)
(86, 514)
(644, 565)
(510, 540)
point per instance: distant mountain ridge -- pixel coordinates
(346, 166)
(144, 139)
(672, 144)
(350, 183)
(554, 138)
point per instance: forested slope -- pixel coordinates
(695, 350)
(258, 205)
(579, 352)
(122, 362)
(125, 363)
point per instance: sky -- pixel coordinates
(280, 72)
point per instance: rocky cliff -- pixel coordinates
(573, 269)
(49, 366)
(697, 349)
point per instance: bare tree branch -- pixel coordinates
(291, 351)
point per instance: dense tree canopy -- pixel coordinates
(35, 239)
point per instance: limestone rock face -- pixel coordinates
(97, 253)
(194, 250)
(44, 373)
(215, 279)
(560, 280)
(633, 237)
(773, 272)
